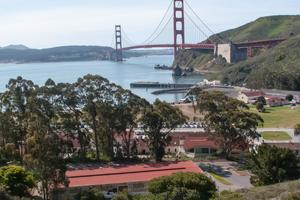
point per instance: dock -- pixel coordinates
(142, 84)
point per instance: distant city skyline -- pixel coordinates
(42, 24)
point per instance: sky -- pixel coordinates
(48, 23)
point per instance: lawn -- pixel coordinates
(280, 117)
(220, 179)
(278, 136)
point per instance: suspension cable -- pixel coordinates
(127, 38)
(162, 30)
(204, 24)
(160, 23)
(195, 24)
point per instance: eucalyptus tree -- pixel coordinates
(14, 102)
(44, 155)
(129, 109)
(96, 94)
(71, 116)
(228, 121)
(158, 123)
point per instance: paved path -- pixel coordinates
(229, 171)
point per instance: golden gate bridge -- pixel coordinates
(179, 17)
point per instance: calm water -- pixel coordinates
(134, 69)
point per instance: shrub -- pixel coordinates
(89, 195)
(187, 186)
(16, 181)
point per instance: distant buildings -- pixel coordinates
(188, 143)
(113, 179)
(250, 97)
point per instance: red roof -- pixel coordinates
(127, 173)
(199, 142)
(253, 93)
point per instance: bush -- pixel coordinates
(16, 181)
(270, 165)
(260, 107)
(297, 129)
(187, 186)
(123, 196)
(89, 195)
(289, 97)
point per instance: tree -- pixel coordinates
(183, 186)
(270, 165)
(289, 97)
(228, 121)
(15, 103)
(129, 108)
(44, 155)
(297, 129)
(89, 195)
(16, 180)
(262, 100)
(260, 107)
(158, 122)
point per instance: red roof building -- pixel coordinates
(133, 178)
(250, 96)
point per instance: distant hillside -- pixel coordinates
(281, 26)
(16, 47)
(276, 68)
(57, 54)
(23, 54)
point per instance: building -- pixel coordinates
(250, 96)
(194, 143)
(274, 101)
(113, 179)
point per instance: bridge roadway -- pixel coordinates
(185, 46)
(247, 44)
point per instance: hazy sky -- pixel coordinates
(47, 23)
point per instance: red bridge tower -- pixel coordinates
(178, 20)
(118, 35)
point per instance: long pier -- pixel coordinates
(143, 84)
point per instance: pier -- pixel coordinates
(143, 84)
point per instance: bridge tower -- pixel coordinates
(178, 20)
(118, 35)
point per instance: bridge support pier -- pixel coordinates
(249, 52)
(118, 36)
(178, 25)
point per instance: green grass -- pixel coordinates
(220, 179)
(278, 136)
(280, 117)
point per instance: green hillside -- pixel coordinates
(265, 27)
(283, 191)
(276, 68)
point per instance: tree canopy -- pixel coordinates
(228, 121)
(158, 122)
(270, 165)
(16, 180)
(183, 186)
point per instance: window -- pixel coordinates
(138, 187)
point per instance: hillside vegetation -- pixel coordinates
(283, 191)
(265, 27)
(276, 68)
